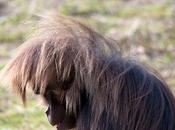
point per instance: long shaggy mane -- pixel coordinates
(119, 91)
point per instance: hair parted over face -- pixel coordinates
(86, 81)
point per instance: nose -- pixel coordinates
(49, 117)
(55, 114)
(47, 111)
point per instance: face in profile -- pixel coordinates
(56, 113)
(56, 109)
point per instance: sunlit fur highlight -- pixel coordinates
(121, 94)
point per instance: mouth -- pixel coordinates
(61, 127)
(58, 127)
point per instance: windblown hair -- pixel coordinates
(104, 89)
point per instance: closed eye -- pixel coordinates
(51, 98)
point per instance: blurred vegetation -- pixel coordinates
(145, 30)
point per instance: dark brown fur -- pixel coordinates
(86, 71)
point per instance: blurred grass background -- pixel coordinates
(145, 30)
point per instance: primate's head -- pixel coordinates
(86, 82)
(57, 63)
